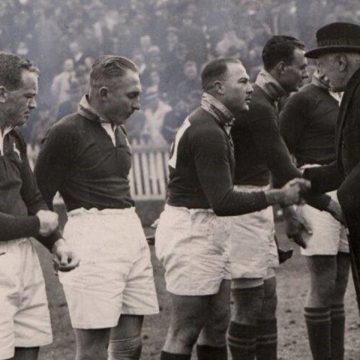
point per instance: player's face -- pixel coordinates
(19, 103)
(292, 79)
(237, 89)
(329, 65)
(123, 97)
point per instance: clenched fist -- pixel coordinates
(48, 222)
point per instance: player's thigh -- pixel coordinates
(128, 326)
(323, 273)
(218, 318)
(220, 306)
(188, 313)
(342, 277)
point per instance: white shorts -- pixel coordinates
(328, 237)
(193, 245)
(115, 275)
(24, 312)
(253, 247)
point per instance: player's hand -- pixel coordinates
(48, 222)
(291, 192)
(334, 209)
(296, 225)
(64, 258)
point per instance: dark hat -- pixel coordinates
(336, 37)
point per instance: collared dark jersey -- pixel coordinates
(20, 198)
(307, 124)
(259, 147)
(202, 167)
(79, 159)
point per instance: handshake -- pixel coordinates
(289, 194)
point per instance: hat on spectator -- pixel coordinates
(336, 37)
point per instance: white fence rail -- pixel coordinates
(149, 172)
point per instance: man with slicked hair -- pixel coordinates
(192, 238)
(24, 314)
(87, 158)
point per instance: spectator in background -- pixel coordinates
(61, 84)
(172, 40)
(173, 120)
(76, 53)
(191, 81)
(173, 73)
(69, 106)
(193, 37)
(230, 40)
(145, 45)
(155, 111)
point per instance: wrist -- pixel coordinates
(274, 196)
(57, 244)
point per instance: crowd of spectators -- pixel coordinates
(170, 40)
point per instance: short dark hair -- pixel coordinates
(280, 48)
(11, 68)
(216, 70)
(108, 67)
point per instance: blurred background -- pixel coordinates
(170, 40)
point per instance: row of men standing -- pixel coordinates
(87, 158)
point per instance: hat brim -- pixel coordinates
(315, 53)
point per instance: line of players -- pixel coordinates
(216, 234)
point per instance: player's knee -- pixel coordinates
(184, 336)
(215, 330)
(248, 304)
(125, 349)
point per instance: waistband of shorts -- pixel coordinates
(16, 241)
(251, 187)
(95, 211)
(185, 209)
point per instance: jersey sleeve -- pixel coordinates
(211, 156)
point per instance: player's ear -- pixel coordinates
(3, 94)
(103, 92)
(219, 88)
(280, 67)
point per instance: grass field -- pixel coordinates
(292, 282)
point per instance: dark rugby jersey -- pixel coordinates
(259, 148)
(20, 198)
(307, 124)
(79, 159)
(202, 168)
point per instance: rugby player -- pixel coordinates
(24, 314)
(87, 158)
(192, 238)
